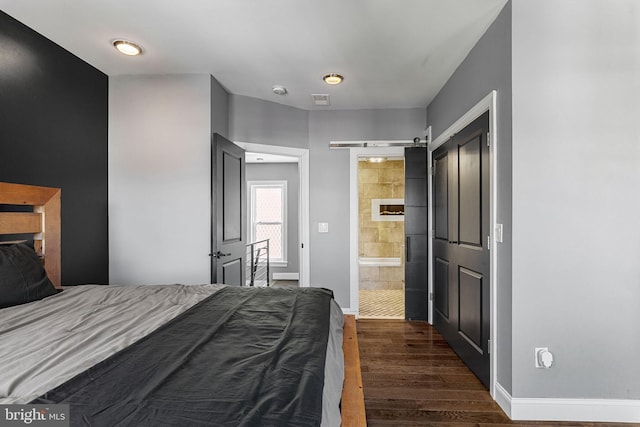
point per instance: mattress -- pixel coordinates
(46, 343)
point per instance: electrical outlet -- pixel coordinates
(543, 357)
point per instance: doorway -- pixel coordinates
(461, 240)
(355, 154)
(381, 233)
(301, 157)
(273, 192)
(492, 236)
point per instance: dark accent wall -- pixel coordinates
(54, 132)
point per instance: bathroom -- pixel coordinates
(381, 237)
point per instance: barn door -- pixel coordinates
(415, 228)
(460, 245)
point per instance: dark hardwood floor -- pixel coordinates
(411, 377)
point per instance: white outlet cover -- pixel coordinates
(543, 357)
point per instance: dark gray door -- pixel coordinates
(460, 245)
(415, 228)
(228, 212)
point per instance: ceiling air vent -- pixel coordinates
(321, 99)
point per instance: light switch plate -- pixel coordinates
(323, 227)
(499, 233)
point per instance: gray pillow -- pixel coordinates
(22, 276)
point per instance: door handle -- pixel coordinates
(407, 248)
(220, 254)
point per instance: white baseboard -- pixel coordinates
(286, 276)
(503, 399)
(582, 410)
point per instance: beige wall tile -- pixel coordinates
(369, 285)
(391, 235)
(369, 234)
(368, 176)
(397, 191)
(380, 238)
(378, 250)
(370, 273)
(388, 274)
(398, 251)
(395, 175)
(377, 191)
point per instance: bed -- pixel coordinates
(167, 355)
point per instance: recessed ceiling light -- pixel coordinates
(377, 159)
(332, 78)
(127, 47)
(279, 90)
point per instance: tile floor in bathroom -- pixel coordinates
(381, 304)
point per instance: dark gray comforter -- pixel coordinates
(242, 357)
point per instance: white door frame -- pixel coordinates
(488, 103)
(302, 154)
(354, 222)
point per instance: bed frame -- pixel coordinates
(44, 224)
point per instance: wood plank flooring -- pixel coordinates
(411, 377)
(352, 404)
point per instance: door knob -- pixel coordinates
(220, 254)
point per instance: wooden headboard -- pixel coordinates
(43, 222)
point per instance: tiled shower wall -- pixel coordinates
(380, 238)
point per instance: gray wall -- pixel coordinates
(576, 175)
(487, 68)
(219, 108)
(566, 73)
(283, 172)
(159, 176)
(265, 122)
(329, 183)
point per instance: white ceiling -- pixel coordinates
(393, 53)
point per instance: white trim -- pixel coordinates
(286, 276)
(558, 409)
(303, 224)
(488, 103)
(503, 398)
(380, 262)
(354, 276)
(278, 264)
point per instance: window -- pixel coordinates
(268, 201)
